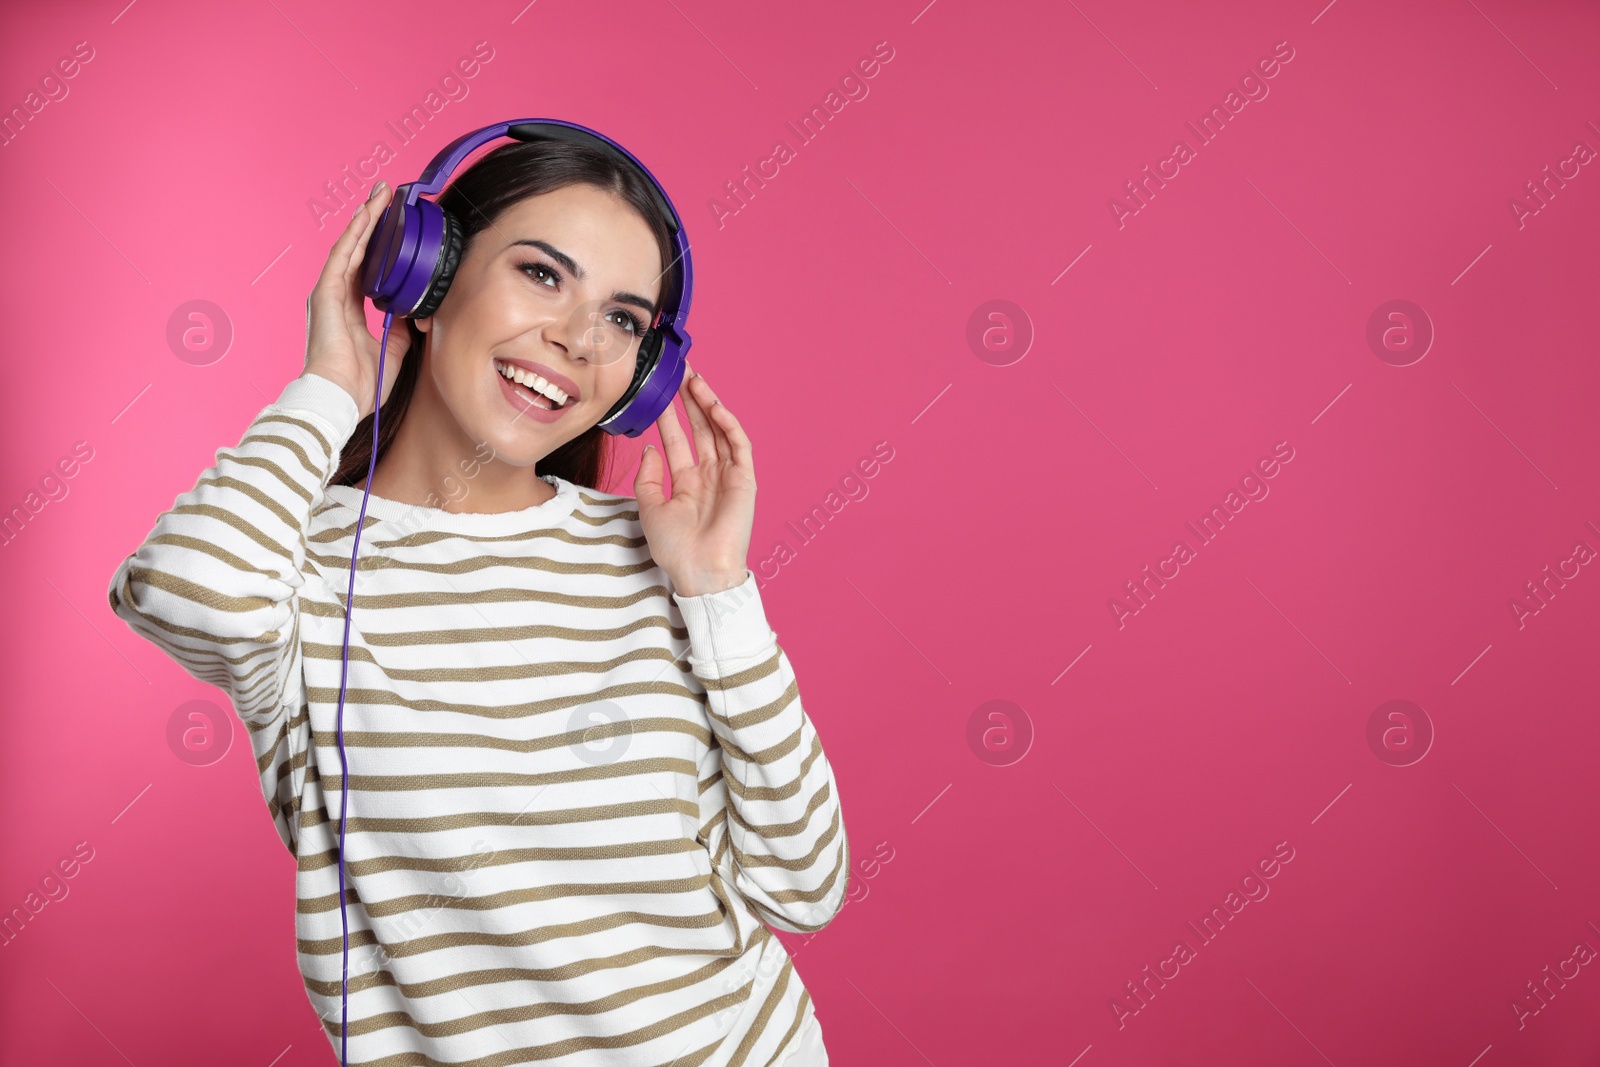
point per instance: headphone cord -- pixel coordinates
(344, 673)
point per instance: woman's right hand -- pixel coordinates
(339, 344)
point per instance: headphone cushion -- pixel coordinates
(444, 271)
(645, 361)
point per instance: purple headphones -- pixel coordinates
(411, 258)
(416, 247)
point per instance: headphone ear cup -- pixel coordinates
(444, 271)
(648, 356)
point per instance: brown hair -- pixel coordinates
(476, 197)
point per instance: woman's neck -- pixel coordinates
(432, 463)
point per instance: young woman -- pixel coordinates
(581, 783)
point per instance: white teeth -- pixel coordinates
(533, 381)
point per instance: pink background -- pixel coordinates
(998, 905)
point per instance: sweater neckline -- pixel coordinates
(412, 518)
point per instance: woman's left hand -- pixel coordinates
(700, 537)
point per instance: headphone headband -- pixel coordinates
(451, 155)
(413, 253)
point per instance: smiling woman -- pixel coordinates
(553, 205)
(580, 789)
(524, 304)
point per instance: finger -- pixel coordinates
(673, 443)
(355, 298)
(372, 212)
(739, 448)
(647, 485)
(705, 442)
(333, 271)
(330, 300)
(710, 403)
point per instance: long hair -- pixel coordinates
(476, 197)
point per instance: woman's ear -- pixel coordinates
(424, 325)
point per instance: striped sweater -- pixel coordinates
(577, 800)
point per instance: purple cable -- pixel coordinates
(344, 673)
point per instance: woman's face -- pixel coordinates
(560, 285)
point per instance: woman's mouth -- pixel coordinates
(536, 391)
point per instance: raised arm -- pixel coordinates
(773, 819)
(214, 583)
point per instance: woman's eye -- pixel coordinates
(532, 269)
(628, 320)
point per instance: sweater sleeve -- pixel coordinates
(215, 583)
(771, 817)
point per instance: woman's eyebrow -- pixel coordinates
(577, 272)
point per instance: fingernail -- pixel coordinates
(376, 189)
